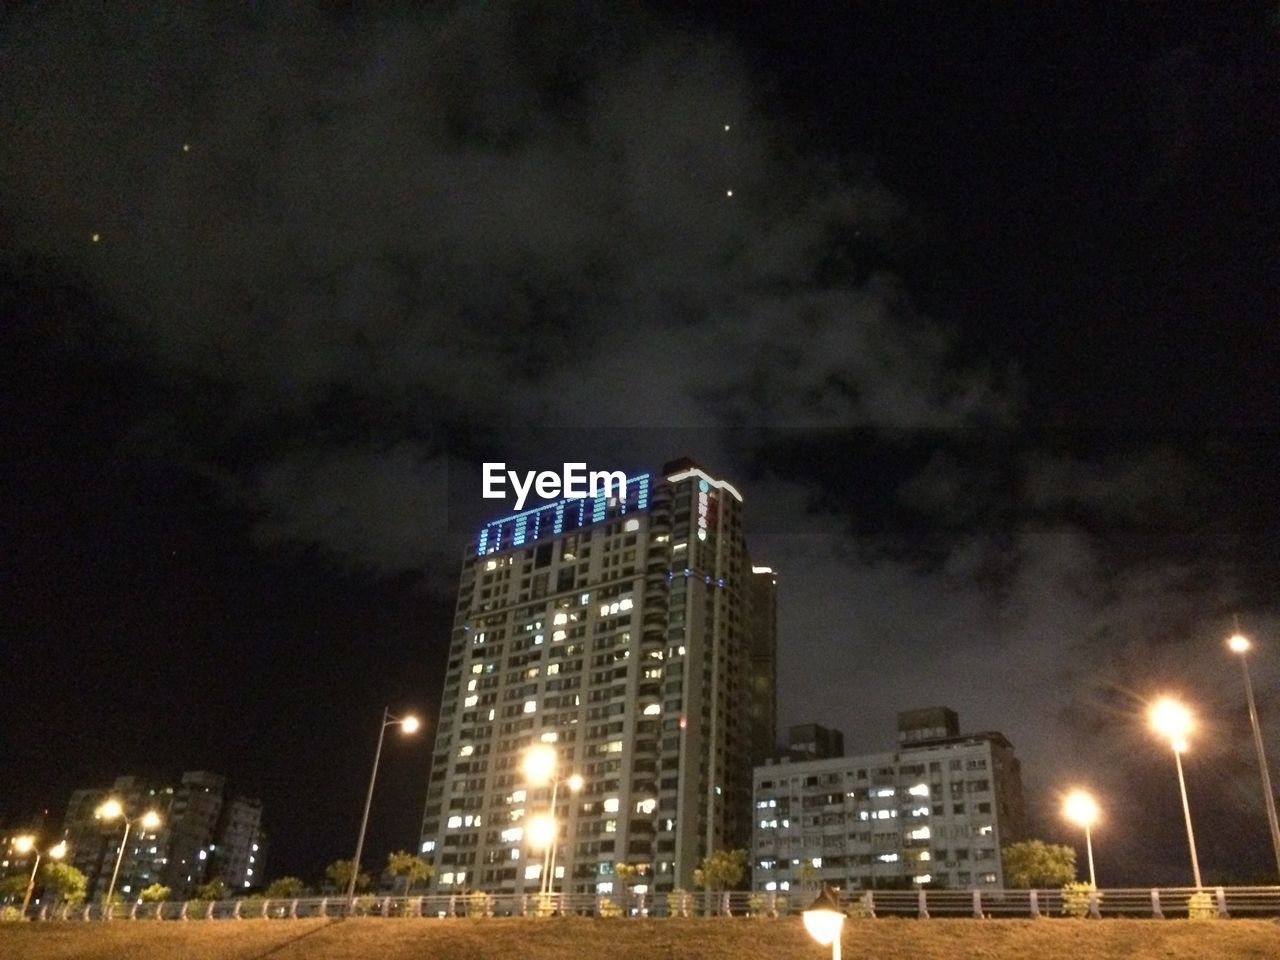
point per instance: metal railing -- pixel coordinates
(1143, 902)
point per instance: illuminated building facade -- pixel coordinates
(937, 811)
(633, 635)
(204, 834)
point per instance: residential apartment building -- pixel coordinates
(204, 834)
(936, 811)
(632, 634)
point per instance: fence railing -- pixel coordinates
(1149, 902)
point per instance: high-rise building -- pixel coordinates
(631, 634)
(204, 834)
(936, 811)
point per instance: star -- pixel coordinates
(96, 237)
(186, 148)
(728, 193)
(726, 128)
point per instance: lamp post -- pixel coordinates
(26, 845)
(110, 810)
(1173, 721)
(407, 724)
(824, 920)
(540, 762)
(1240, 645)
(1081, 810)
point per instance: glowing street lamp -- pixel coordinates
(1081, 810)
(539, 766)
(1171, 720)
(824, 920)
(1239, 644)
(407, 724)
(112, 810)
(541, 831)
(26, 844)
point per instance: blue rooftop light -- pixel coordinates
(532, 524)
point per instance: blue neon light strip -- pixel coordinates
(553, 518)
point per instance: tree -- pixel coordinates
(284, 888)
(213, 890)
(63, 881)
(14, 887)
(721, 870)
(339, 874)
(628, 874)
(1034, 863)
(412, 868)
(156, 893)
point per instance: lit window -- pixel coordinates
(558, 635)
(517, 796)
(888, 858)
(816, 861)
(626, 603)
(533, 871)
(530, 706)
(549, 737)
(560, 619)
(471, 701)
(631, 526)
(454, 822)
(919, 790)
(466, 750)
(611, 805)
(652, 710)
(428, 846)
(647, 806)
(446, 879)
(605, 886)
(923, 878)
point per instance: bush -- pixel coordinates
(679, 903)
(9, 914)
(544, 905)
(756, 905)
(479, 904)
(1200, 906)
(859, 909)
(608, 910)
(1075, 899)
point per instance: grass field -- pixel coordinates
(394, 939)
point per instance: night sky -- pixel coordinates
(976, 303)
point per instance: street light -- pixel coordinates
(1173, 721)
(26, 844)
(1081, 810)
(1239, 644)
(407, 724)
(539, 766)
(110, 810)
(825, 920)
